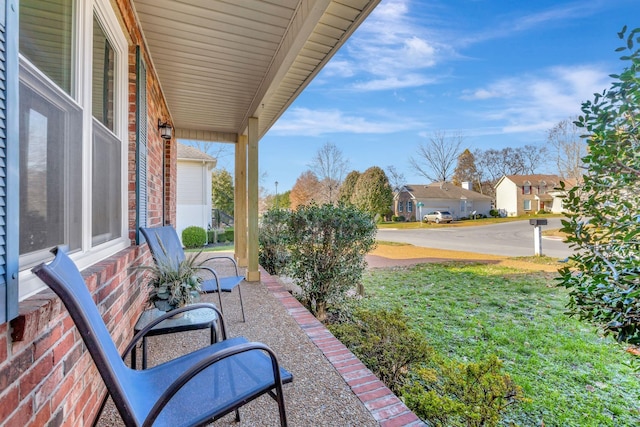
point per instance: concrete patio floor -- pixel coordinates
(331, 387)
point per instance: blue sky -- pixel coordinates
(501, 73)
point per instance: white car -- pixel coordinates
(438, 217)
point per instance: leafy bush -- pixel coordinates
(211, 236)
(397, 218)
(494, 213)
(228, 235)
(328, 245)
(273, 253)
(384, 343)
(455, 394)
(603, 212)
(194, 237)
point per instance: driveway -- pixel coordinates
(507, 239)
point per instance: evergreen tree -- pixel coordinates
(373, 193)
(222, 190)
(345, 195)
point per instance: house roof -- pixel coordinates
(222, 62)
(442, 191)
(187, 152)
(535, 179)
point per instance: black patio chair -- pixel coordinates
(165, 247)
(191, 390)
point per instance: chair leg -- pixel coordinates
(281, 409)
(237, 415)
(241, 306)
(220, 300)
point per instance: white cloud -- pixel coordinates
(395, 48)
(389, 51)
(308, 122)
(538, 102)
(393, 82)
(339, 68)
(509, 24)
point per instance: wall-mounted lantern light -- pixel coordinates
(165, 129)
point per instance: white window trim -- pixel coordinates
(81, 92)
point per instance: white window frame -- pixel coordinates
(525, 203)
(82, 40)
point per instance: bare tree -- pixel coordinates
(396, 179)
(568, 148)
(219, 150)
(532, 157)
(493, 163)
(436, 159)
(330, 167)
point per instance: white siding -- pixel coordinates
(507, 197)
(190, 185)
(193, 195)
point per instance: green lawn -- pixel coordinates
(573, 376)
(217, 248)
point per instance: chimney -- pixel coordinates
(466, 185)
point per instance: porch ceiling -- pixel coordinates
(221, 62)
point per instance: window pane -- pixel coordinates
(106, 166)
(45, 37)
(103, 73)
(50, 164)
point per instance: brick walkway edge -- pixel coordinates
(385, 406)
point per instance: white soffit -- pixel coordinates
(221, 62)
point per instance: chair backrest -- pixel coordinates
(63, 277)
(164, 245)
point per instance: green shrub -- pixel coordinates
(194, 237)
(455, 394)
(602, 223)
(211, 236)
(397, 218)
(273, 254)
(383, 341)
(228, 235)
(328, 245)
(494, 213)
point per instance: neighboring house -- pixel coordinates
(194, 188)
(461, 202)
(94, 96)
(527, 194)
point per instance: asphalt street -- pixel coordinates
(509, 238)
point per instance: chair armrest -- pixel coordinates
(213, 272)
(190, 373)
(222, 257)
(137, 337)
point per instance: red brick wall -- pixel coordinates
(46, 377)
(403, 198)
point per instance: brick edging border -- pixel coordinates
(379, 400)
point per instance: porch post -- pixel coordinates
(253, 274)
(240, 202)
